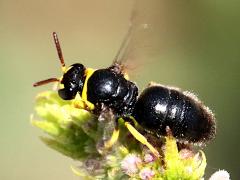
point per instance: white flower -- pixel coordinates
(220, 175)
(130, 164)
(148, 158)
(146, 173)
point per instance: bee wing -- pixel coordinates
(124, 48)
(139, 42)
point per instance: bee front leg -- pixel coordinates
(80, 103)
(109, 124)
(109, 143)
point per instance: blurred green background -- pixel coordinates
(195, 46)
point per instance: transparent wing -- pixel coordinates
(140, 42)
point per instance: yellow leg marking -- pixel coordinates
(108, 144)
(88, 105)
(79, 104)
(141, 139)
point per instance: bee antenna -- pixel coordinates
(59, 50)
(46, 81)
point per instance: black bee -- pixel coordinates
(157, 108)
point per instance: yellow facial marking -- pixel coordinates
(64, 69)
(60, 85)
(126, 76)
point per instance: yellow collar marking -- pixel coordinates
(88, 73)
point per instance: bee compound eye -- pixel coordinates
(67, 94)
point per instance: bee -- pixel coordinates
(156, 109)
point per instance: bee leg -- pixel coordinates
(80, 103)
(108, 118)
(114, 137)
(109, 143)
(88, 105)
(141, 138)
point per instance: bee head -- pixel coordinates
(73, 78)
(72, 81)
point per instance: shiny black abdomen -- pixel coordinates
(113, 90)
(159, 107)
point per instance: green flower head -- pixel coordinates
(80, 135)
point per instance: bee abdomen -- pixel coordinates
(160, 106)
